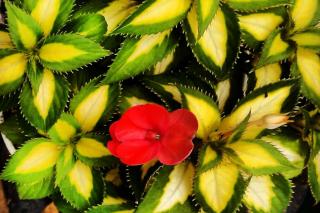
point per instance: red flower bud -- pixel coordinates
(147, 132)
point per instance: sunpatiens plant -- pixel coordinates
(161, 105)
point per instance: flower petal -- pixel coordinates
(174, 151)
(148, 116)
(185, 121)
(125, 130)
(112, 130)
(176, 144)
(112, 146)
(137, 152)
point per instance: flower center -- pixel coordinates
(152, 135)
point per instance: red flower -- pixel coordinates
(147, 132)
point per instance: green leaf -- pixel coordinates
(206, 10)
(218, 47)
(24, 30)
(94, 152)
(92, 26)
(267, 20)
(13, 66)
(17, 130)
(314, 176)
(252, 5)
(138, 54)
(65, 163)
(308, 67)
(50, 14)
(292, 148)
(161, 197)
(155, 16)
(315, 143)
(308, 39)
(268, 74)
(8, 101)
(69, 52)
(258, 157)
(93, 103)
(275, 49)
(62, 205)
(36, 190)
(205, 110)
(268, 194)
(43, 101)
(208, 159)
(82, 187)
(271, 99)
(111, 209)
(5, 39)
(305, 13)
(64, 129)
(220, 189)
(33, 162)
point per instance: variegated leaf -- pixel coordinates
(217, 48)
(24, 30)
(268, 194)
(308, 39)
(139, 54)
(271, 99)
(223, 92)
(220, 189)
(155, 16)
(305, 13)
(165, 89)
(64, 129)
(161, 197)
(116, 12)
(82, 187)
(36, 190)
(69, 52)
(308, 67)
(65, 163)
(208, 159)
(43, 101)
(292, 148)
(314, 176)
(13, 65)
(50, 14)
(257, 26)
(165, 64)
(93, 103)
(275, 49)
(253, 5)
(5, 40)
(268, 74)
(258, 157)
(94, 152)
(92, 26)
(205, 110)
(33, 162)
(206, 10)
(133, 95)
